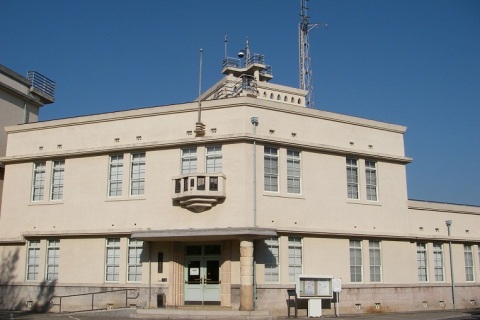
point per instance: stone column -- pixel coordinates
(246, 275)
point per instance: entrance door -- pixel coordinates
(202, 280)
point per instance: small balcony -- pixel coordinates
(199, 191)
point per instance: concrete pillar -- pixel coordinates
(246, 275)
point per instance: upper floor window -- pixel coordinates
(137, 180)
(352, 178)
(214, 159)
(115, 180)
(371, 180)
(270, 169)
(355, 261)
(57, 179)
(38, 188)
(293, 171)
(189, 160)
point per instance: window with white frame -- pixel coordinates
(293, 171)
(38, 187)
(112, 261)
(422, 265)
(57, 179)
(352, 178)
(375, 261)
(438, 261)
(53, 257)
(33, 259)
(294, 257)
(271, 256)
(137, 174)
(135, 248)
(115, 177)
(189, 160)
(356, 261)
(270, 166)
(468, 253)
(371, 180)
(214, 159)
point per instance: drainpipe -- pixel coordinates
(255, 124)
(449, 224)
(254, 121)
(149, 273)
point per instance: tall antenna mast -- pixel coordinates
(305, 68)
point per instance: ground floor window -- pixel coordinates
(53, 257)
(294, 257)
(33, 259)
(355, 260)
(271, 256)
(112, 268)
(422, 261)
(135, 248)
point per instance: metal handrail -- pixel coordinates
(93, 298)
(41, 83)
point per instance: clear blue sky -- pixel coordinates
(409, 62)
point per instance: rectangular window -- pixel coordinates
(38, 181)
(293, 171)
(137, 180)
(135, 248)
(53, 256)
(422, 261)
(33, 259)
(115, 177)
(112, 260)
(57, 179)
(375, 261)
(355, 261)
(214, 159)
(438, 261)
(468, 253)
(352, 178)
(270, 169)
(294, 257)
(189, 160)
(371, 180)
(271, 260)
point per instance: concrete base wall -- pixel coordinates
(375, 299)
(46, 297)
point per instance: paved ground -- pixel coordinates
(127, 314)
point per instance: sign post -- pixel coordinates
(314, 288)
(337, 288)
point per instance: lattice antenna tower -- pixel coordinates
(305, 67)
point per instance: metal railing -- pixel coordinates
(41, 83)
(93, 294)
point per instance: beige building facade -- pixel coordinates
(225, 202)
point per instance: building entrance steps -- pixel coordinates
(201, 313)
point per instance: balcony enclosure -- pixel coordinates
(198, 191)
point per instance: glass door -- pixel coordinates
(202, 276)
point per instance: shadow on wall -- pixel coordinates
(11, 297)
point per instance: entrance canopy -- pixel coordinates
(203, 234)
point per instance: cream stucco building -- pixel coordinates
(225, 203)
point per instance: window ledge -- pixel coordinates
(365, 203)
(284, 195)
(45, 203)
(131, 198)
